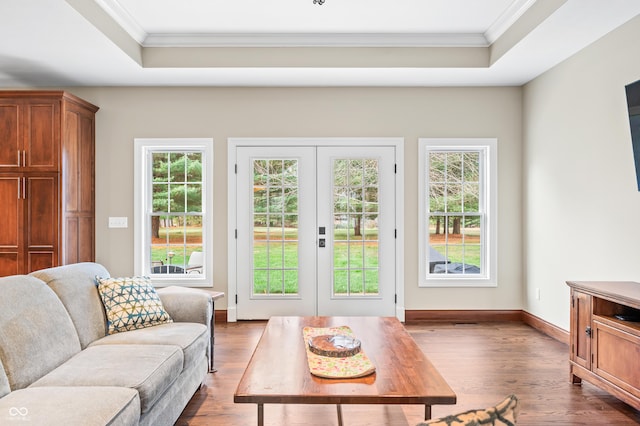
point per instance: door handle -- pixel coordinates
(587, 331)
(22, 188)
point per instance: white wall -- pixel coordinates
(127, 113)
(582, 206)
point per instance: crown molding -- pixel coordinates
(124, 19)
(314, 40)
(507, 19)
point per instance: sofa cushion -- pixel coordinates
(193, 339)
(173, 402)
(75, 285)
(36, 332)
(71, 406)
(149, 369)
(131, 303)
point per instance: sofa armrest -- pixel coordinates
(190, 305)
(187, 304)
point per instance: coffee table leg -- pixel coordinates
(260, 415)
(339, 414)
(427, 412)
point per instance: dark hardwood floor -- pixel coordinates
(482, 362)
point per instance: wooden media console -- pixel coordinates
(605, 337)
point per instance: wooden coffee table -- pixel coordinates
(278, 372)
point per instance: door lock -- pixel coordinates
(322, 242)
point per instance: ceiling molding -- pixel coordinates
(315, 40)
(124, 19)
(529, 21)
(507, 19)
(97, 16)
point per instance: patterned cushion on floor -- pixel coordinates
(503, 414)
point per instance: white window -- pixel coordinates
(173, 196)
(458, 193)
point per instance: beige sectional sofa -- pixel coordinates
(59, 367)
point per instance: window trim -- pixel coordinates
(142, 191)
(489, 146)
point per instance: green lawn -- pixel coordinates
(180, 257)
(469, 254)
(173, 240)
(461, 248)
(281, 258)
(276, 262)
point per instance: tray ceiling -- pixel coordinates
(296, 42)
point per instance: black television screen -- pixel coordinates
(633, 106)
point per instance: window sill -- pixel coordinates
(458, 282)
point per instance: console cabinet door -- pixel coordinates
(581, 329)
(617, 357)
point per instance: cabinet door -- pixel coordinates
(11, 231)
(78, 184)
(581, 329)
(42, 135)
(29, 135)
(10, 135)
(41, 219)
(617, 356)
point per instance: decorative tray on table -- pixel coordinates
(334, 345)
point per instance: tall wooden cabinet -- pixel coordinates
(46, 180)
(605, 337)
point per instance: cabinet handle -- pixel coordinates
(24, 188)
(24, 158)
(587, 331)
(19, 184)
(19, 162)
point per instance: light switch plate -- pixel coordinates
(118, 222)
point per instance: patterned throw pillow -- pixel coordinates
(503, 414)
(131, 303)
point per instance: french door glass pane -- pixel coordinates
(275, 227)
(355, 229)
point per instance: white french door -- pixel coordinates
(356, 206)
(315, 231)
(276, 266)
